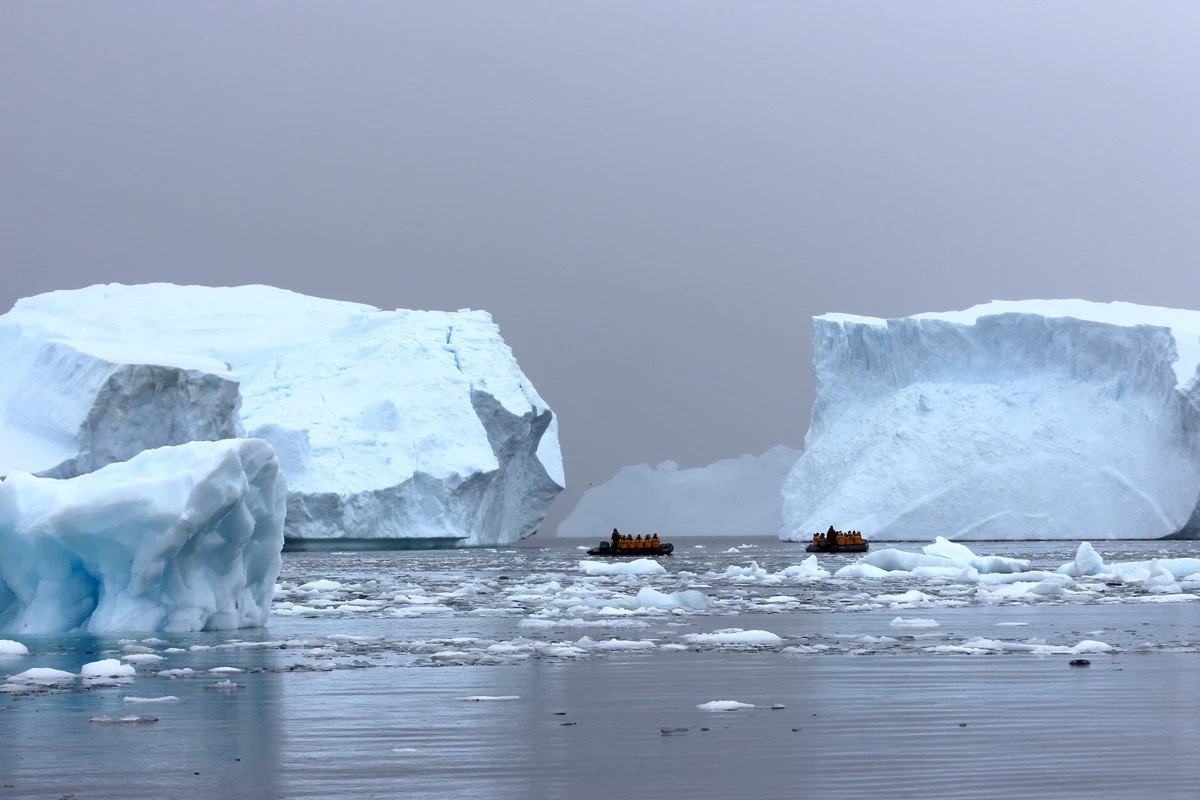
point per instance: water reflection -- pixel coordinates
(218, 743)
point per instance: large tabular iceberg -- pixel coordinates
(182, 538)
(1011, 420)
(732, 497)
(410, 425)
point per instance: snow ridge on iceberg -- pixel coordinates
(1011, 420)
(388, 424)
(183, 538)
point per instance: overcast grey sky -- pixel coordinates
(652, 198)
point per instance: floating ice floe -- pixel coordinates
(1155, 575)
(915, 622)
(723, 705)
(485, 698)
(753, 573)
(170, 698)
(943, 559)
(640, 566)
(979, 645)
(10, 648)
(43, 676)
(108, 668)
(734, 636)
(650, 598)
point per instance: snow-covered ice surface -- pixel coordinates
(1011, 420)
(731, 497)
(388, 424)
(180, 538)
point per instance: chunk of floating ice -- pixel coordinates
(752, 571)
(1011, 624)
(176, 673)
(224, 669)
(225, 684)
(915, 622)
(483, 698)
(1092, 646)
(734, 636)
(136, 700)
(1169, 598)
(910, 599)
(640, 566)
(320, 586)
(617, 644)
(108, 668)
(809, 568)
(129, 719)
(142, 658)
(950, 557)
(648, 597)
(10, 648)
(723, 705)
(44, 675)
(861, 570)
(1088, 562)
(405, 750)
(733, 550)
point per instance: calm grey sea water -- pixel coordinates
(378, 710)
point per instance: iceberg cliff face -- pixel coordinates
(72, 408)
(732, 497)
(182, 538)
(415, 425)
(1011, 420)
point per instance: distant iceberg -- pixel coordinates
(1039, 419)
(732, 497)
(183, 538)
(390, 425)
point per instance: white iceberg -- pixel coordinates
(389, 425)
(1011, 420)
(183, 538)
(732, 497)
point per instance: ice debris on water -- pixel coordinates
(170, 698)
(724, 705)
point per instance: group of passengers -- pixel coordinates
(834, 537)
(624, 541)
